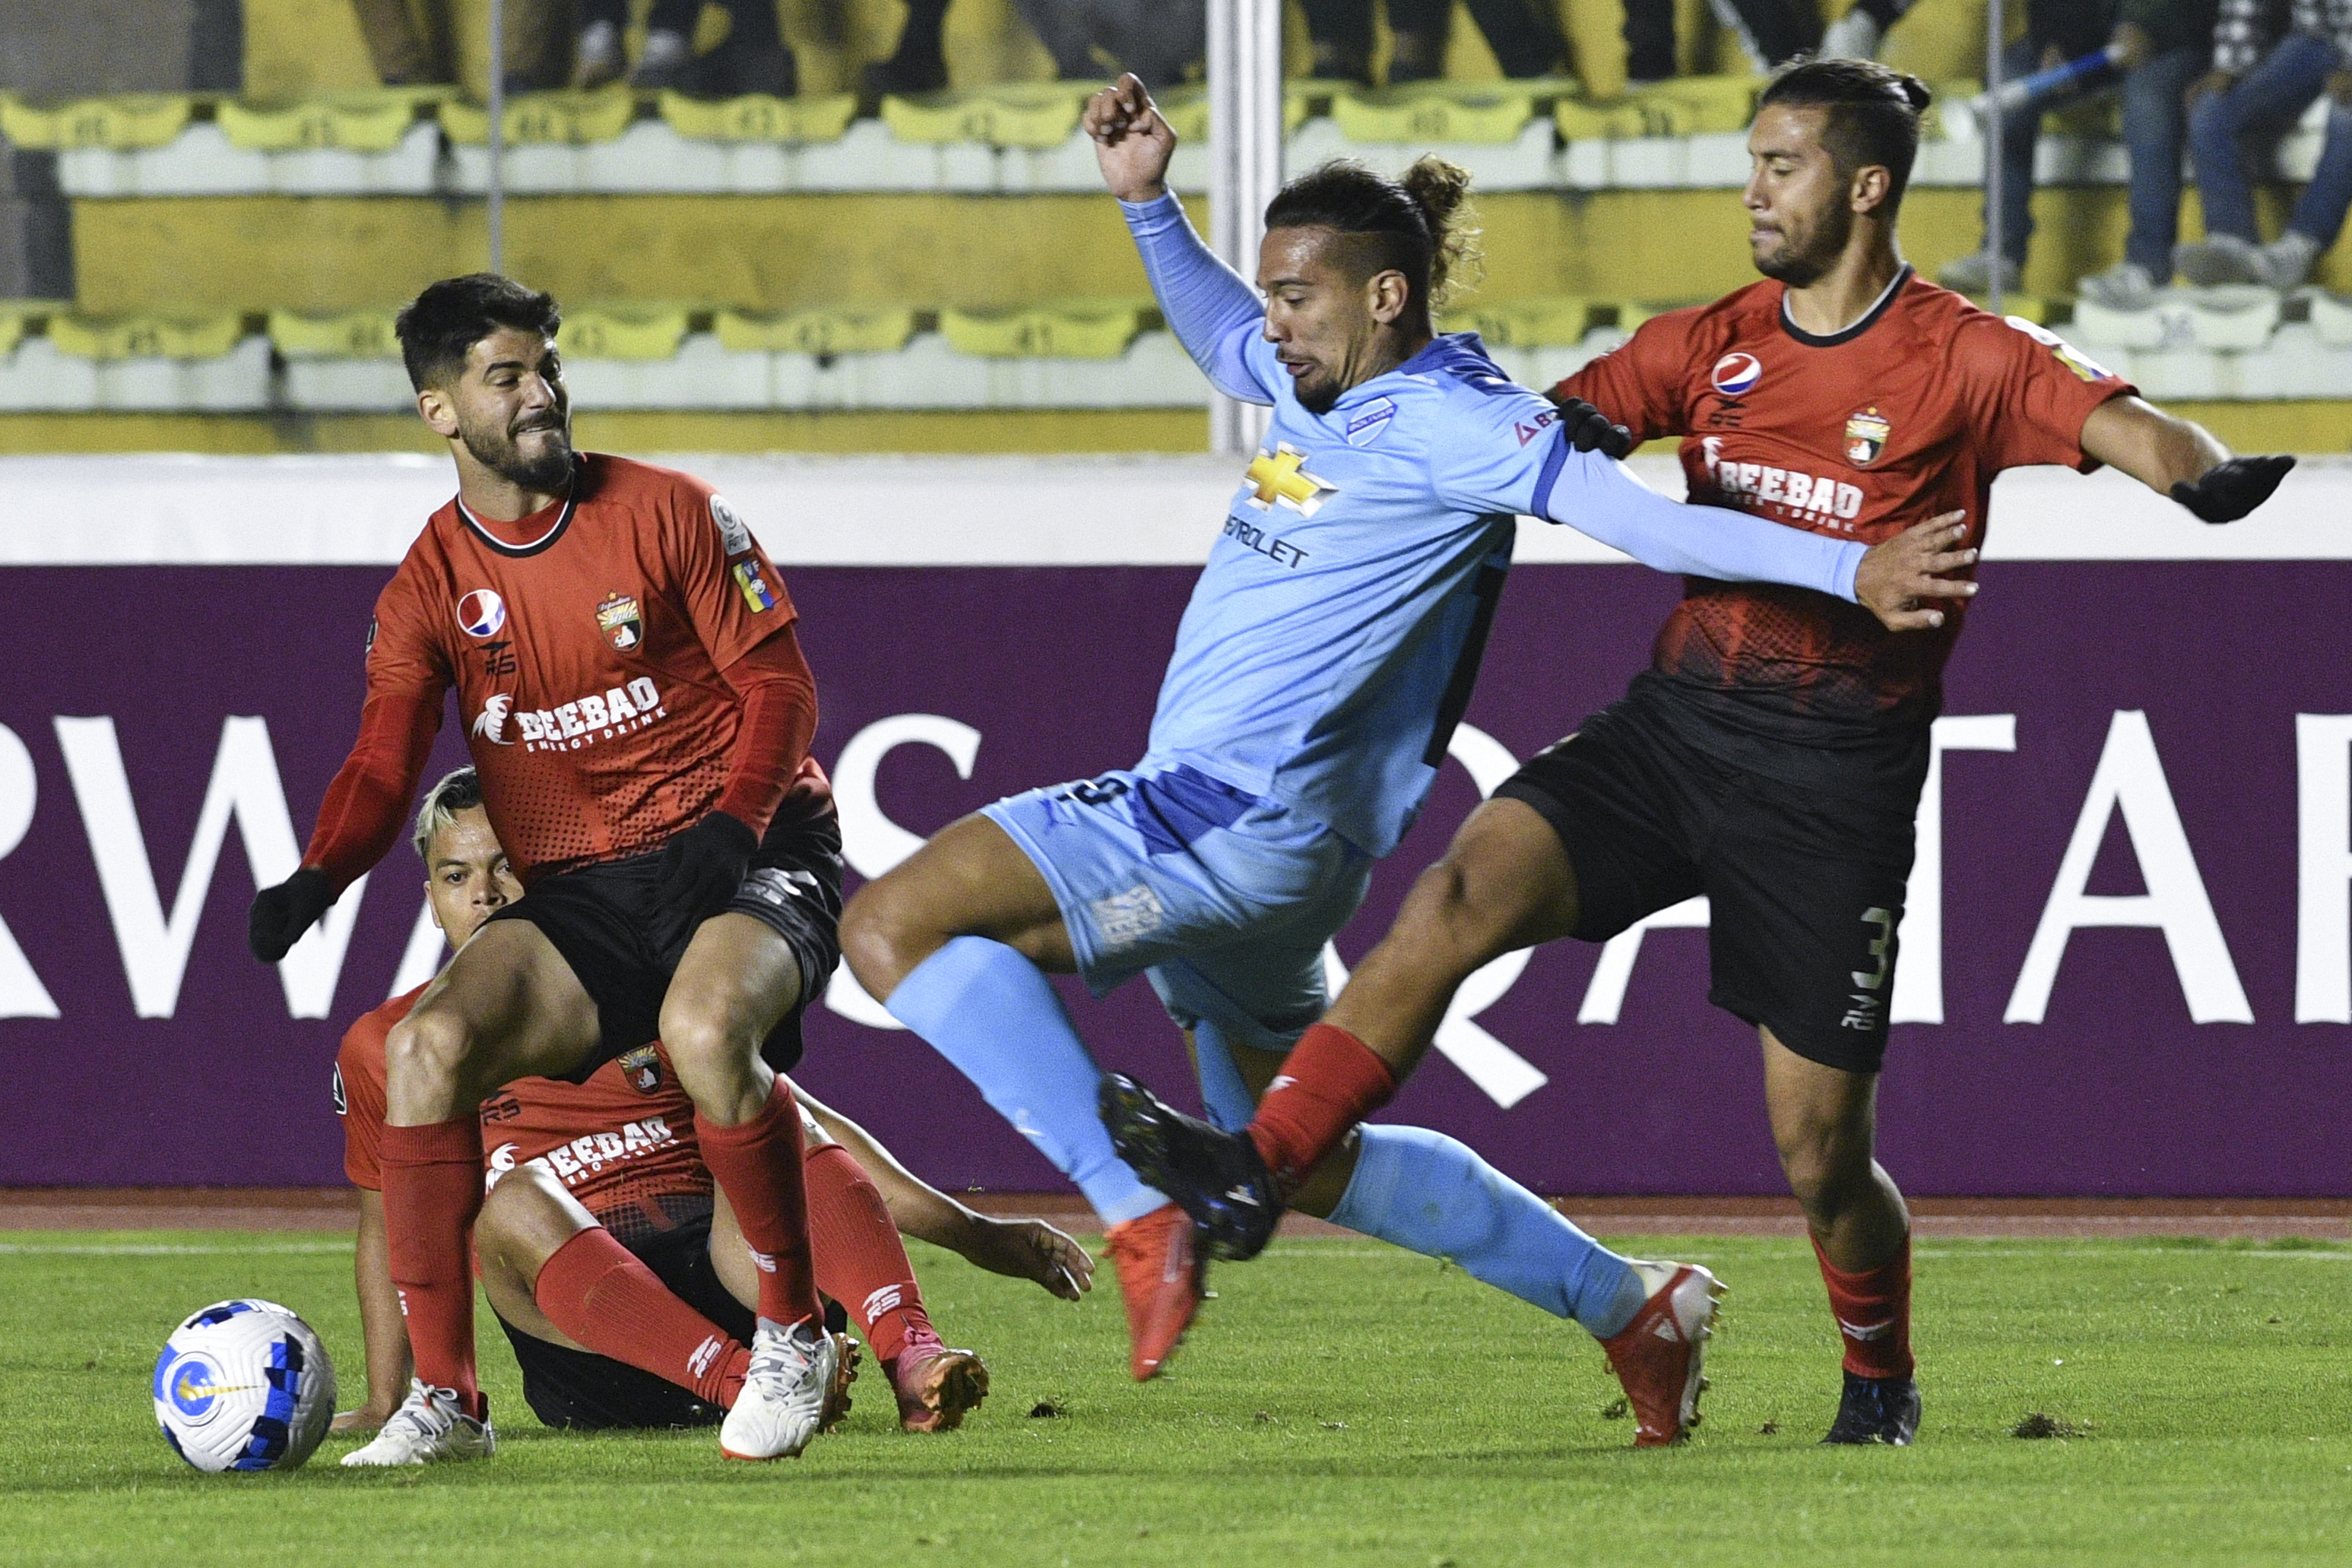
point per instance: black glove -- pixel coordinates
(703, 868)
(281, 913)
(1588, 429)
(2229, 490)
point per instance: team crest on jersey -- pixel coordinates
(1866, 435)
(1371, 420)
(1736, 374)
(1281, 476)
(642, 1068)
(481, 614)
(622, 625)
(756, 591)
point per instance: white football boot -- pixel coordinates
(429, 1428)
(785, 1392)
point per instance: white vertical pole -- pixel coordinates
(1995, 48)
(1245, 167)
(497, 174)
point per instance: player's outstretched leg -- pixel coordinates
(958, 941)
(1506, 882)
(736, 982)
(507, 1006)
(1824, 1121)
(862, 1263)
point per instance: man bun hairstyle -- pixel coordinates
(457, 791)
(1873, 114)
(1421, 225)
(451, 316)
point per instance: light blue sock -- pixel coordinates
(993, 1013)
(1432, 1193)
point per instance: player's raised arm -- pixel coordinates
(2180, 458)
(1212, 311)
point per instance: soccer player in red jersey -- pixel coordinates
(1771, 758)
(620, 1277)
(635, 697)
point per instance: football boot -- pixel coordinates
(1217, 1177)
(795, 1387)
(1877, 1410)
(935, 1386)
(1657, 1356)
(430, 1428)
(1160, 1274)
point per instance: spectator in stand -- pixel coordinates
(919, 64)
(754, 57)
(2256, 93)
(407, 54)
(2160, 46)
(1857, 35)
(1159, 41)
(1524, 34)
(1773, 32)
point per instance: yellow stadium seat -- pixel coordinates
(146, 337)
(1186, 109)
(575, 119)
(761, 116)
(1076, 331)
(1639, 116)
(345, 335)
(17, 316)
(1713, 103)
(623, 332)
(1556, 322)
(1036, 115)
(1463, 111)
(375, 124)
(127, 123)
(815, 332)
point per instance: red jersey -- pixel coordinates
(1909, 413)
(622, 1143)
(586, 643)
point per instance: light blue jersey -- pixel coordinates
(1332, 639)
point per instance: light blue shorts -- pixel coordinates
(1224, 900)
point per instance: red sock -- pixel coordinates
(432, 1190)
(860, 1261)
(1329, 1082)
(1873, 1313)
(757, 1166)
(596, 1291)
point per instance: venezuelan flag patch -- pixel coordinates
(756, 591)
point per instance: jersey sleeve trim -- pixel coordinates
(1549, 475)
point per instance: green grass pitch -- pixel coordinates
(1340, 1402)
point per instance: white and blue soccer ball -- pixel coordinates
(244, 1386)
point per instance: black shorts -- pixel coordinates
(604, 920)
(1806, 887)
(580, 1389)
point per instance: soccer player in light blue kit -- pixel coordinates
(1329, 650)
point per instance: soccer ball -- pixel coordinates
(244, 1386)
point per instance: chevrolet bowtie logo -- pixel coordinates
(1278, 476)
